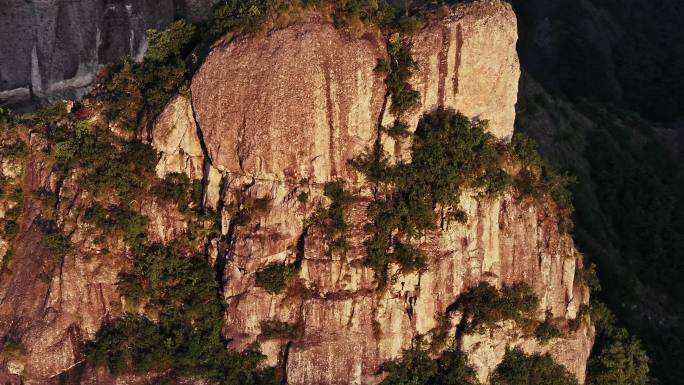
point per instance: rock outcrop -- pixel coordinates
(466, 61)
(296, 104)
(272, 117)
(53, 49)
(176, 138)
(283, 112)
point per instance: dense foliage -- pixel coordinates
(398, 71)
(416, 367)
(135, 89)
(331, 220)
(182, 294)
(617, 358)
(178, 188)
(274, 277)
(449, 151)
(485, 306)
(518, 368)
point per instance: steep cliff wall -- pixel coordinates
(53, 50)
(321, 108)
(272, 118)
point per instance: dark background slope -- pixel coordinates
(602, 92)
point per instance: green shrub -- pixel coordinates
(278, 329)
(537, 178)
(378, 12)
(303, 197)
(518, 368)
(546, 332)
(485, 306)
(14, 151)
(588, 277)
(178, 188)
(398, 130)
(58, 244)
(238, 16)
(134, 88)
(128, 224)
(130, 342)
(398, 71)
(123, 100)
(13, 348)
(11, 228)
(126, 171)
(416, 367)
(183, 294)
(170, 44)
(617, 358)
(341, 200)
(448, 152)
(274, 277)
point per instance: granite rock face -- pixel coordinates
(466, 61)
(281, 113)
(272, 118)
(297, 103)
(53, 49)
(176, 138)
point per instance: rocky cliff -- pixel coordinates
(321, 110)
(272, 117)
(52, 50)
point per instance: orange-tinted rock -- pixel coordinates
(297, 103)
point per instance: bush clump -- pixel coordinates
(133, 89)
(416, 367)
(332, 220)
(123, 221)
(546, 332)
(485, 306)
(279, 329)
(58, 244)
(274, 277)
(616, 358)
(14, 151)
(518, 368)
(537, 178)
(178, 188)
(449, 151)
(186, 340)
(398, 71)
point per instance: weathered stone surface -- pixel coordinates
(296, 103)
(466, 61)
(486, 350)
(281, 113)
(351, 328)
(50, 305)
(175, 136)
(53, 49)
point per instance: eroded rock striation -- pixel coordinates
(284, 112)
(273, 117)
